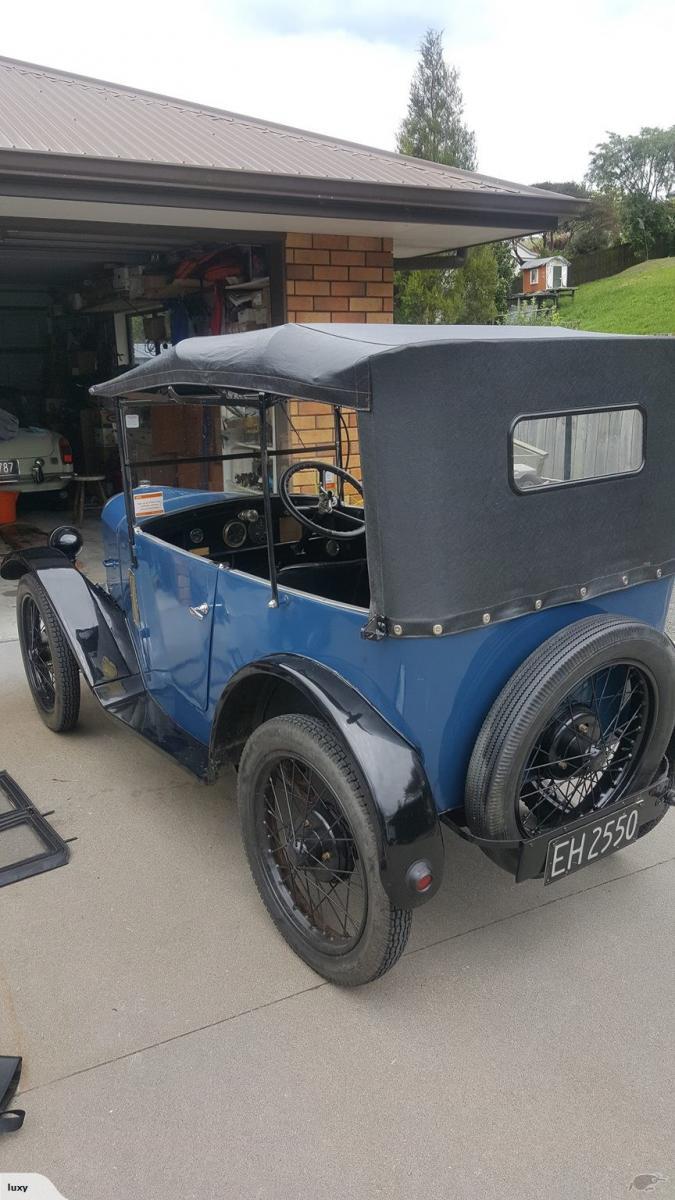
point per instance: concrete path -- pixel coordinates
(175, 1047)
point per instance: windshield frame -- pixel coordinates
(264, 402)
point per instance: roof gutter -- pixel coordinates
(73, 178)
(436, 261)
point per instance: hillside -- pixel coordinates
(639, 300)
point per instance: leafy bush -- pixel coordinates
(530, 313)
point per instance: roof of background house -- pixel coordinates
(51, 112)
(541, 262)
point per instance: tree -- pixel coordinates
(433, 127)
(598, 227)
(506, 270)
(638, 173)
(645, 222)
(641, 164)
(555, 241)
(424, 298)
(434, 130)
(595, 228)
(569, 188)
(474, 288)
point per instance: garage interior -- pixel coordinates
(80, 304)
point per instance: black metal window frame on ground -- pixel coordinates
(22, 812)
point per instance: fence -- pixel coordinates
(581, 445)
(599, 264)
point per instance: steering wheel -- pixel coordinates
(329, 502)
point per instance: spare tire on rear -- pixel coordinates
(585, 720)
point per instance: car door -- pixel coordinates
(175, 594)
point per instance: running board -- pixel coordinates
(128, 701)
(98, 634)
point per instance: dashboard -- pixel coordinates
(234, 532)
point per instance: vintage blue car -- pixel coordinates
(477, 649)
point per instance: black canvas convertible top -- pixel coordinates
(452, 542)
(329, 363)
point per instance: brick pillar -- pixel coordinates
(333, 277)
(338, 278)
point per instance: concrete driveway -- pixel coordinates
(174, 1046)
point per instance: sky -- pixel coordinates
(542, 82)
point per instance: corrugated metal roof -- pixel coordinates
(46, 111)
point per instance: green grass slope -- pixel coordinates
(639, 300)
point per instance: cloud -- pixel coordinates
(394, 21)
(541, 84)
(541, 93)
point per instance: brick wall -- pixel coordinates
(333, 277)
(336, 278)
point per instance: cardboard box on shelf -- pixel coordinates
(154, 283)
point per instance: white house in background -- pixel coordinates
(544, 274)
(522, 253)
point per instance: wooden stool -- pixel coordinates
(82, 482)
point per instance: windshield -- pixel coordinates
(218, 449)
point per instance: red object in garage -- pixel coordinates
(8, 507)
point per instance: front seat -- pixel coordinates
(346, 582)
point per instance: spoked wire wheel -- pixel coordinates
(311, 856)
(38, 654)
(51, 670)
(583, 723)
(313, 849)
(585, 756)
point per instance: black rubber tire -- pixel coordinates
(530, 698)
(386, 930)
(64, 714)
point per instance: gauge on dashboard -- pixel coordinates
(196, 536)
(258, 532)
(234, 534)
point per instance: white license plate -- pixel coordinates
(572, 851)
(9, 469)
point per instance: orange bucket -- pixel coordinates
(8, 507)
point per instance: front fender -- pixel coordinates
(395, 782)
(94, 626)
(36, 558)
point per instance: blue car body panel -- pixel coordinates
(435, 692)
(175, 645)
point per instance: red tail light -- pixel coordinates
(419, 876)
(65, 450)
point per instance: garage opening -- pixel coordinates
(79, 304)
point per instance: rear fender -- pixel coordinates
(394, 780)
(93, 624)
